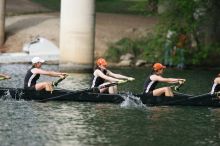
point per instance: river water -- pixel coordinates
(29, 123)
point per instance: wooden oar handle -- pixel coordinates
(55, 83)
(176, 87)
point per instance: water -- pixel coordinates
(28, 123)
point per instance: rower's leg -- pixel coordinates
(40, 86)
(164, 90)
(103, 90)
(49, 87)
(44, 85)
(170, 92)
(113, 90)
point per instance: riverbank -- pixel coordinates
(109, 28)
(29, 20)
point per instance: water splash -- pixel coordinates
(6, 97)
(18, 95)
(131, 101)
(9, 97)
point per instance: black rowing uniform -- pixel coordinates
(149, 85)
(215, 88)
(98, 80)
(30, 79)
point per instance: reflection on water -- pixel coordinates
(73, 123)
(53, 123)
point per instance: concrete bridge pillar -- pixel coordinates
(2, 22)
(77, 35)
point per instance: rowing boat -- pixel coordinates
(88, 96)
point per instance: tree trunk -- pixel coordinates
(212, 34)
(153, 5)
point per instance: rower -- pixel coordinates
(33, 74)
(216, 85)
(103, 76)
(155, 77)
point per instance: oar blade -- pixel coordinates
(5, 78)
(2, 78)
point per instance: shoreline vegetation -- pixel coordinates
(148, 46)
(105, 6)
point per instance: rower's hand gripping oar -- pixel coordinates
(130, 79)
(96, 89)
(55, 83)
(180, 84)
(116, 83)
(112, 84)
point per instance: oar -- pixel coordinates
(96, 89)
(4, 78)
(177, 87)
(188, 98)
(55, 83)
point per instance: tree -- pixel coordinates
(199, 18)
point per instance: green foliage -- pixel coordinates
(119, 48)
(206, 55)
(153, 49)
(192, 17)
(189, 16)
(122, 6)
(149, 48)
(107, 6)
(178, 17)
(50, 4)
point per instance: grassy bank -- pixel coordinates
(50, 4)
(122, 6)
(107, 6)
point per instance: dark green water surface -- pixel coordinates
(29, 123)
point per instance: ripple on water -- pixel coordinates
(72, 123)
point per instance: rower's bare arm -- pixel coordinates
(119, 76)
(49, 73)
(102, 75)
(166, 80)
(176, 80)
(160, 79)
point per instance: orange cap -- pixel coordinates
(158, 66)
(101, 61)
